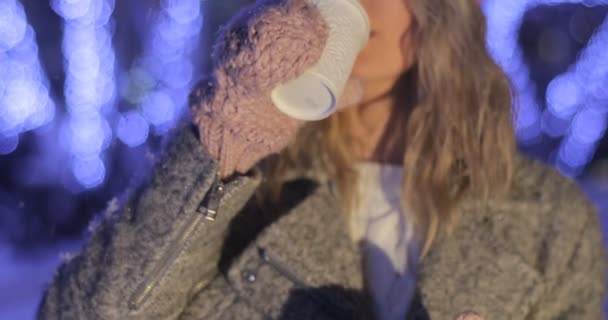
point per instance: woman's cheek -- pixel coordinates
(381, 59)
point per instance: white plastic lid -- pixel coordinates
(306, 98)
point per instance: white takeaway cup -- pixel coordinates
(314, 94)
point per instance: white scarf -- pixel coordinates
(386, 240)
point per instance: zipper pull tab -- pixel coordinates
(210, 205)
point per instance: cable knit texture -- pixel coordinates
(266, 44)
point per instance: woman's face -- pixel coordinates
(389, 51)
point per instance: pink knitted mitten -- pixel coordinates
(266, 44)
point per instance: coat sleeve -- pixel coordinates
(148, 261)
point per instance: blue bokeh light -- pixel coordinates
(24, 93)
(84, 64)
(589, 125)
(182, 11)
(72, 9)
(178, 74)
(132, 129)
(564, 96)
(89, 171)
(166, 69)
(88, 135)
(553, 125)
(8, 144)
(570, 98)
(12, 24)
(575, 153)
(89, 86)
(158, 108)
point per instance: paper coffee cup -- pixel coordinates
(314, 94)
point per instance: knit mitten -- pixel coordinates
(265, 44)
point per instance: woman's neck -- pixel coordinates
(377, 136)
(378, 125)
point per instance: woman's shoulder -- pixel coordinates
(551, 198)
(536, 187)
(567, 247)
(545, 235)
(547, 216)
(538, 182)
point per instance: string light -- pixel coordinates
(586, 78)
(165, 71)
(576, 101)
(24, 89)
(89, 85)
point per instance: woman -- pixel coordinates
(410, 202)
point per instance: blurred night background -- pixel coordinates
(89, 88)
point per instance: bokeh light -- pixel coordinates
(24, 93)
(158, 108)
(90, 171)
(572, 99)
(155, 85)
(12, 24)
(8, 144)
(165, 71)
(89, 86)
(132, 129)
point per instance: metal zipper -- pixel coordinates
(335, 310)
(210, 206)
(208, 210)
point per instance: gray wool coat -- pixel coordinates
(535, 256)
